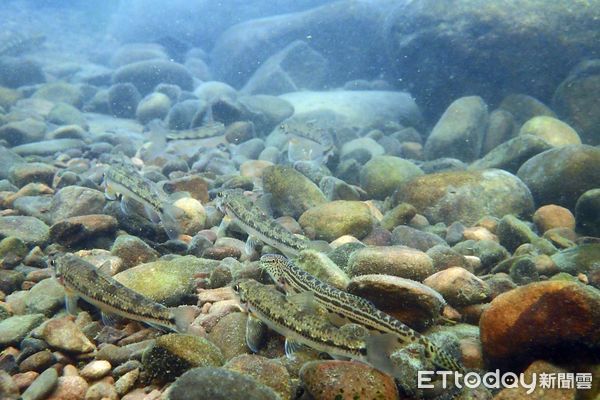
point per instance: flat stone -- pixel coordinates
(459, 287)
(63, 334)
(14, 329)
(398, 261)
(48, 147)
(22, 174)
(70, 231)
(29, 229)
(42, 386)
(269, 372)
(331, 220)
(46, 297)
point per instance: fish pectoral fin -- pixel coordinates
(128, 206)
(305, 301)
(222, 230)
(109, 192)
(151, 214)
(255, 333)
(184, 316)
(169, 218)
(380, 348)
(110, 319)
(251, 244)
(292, 347)
(71, 303)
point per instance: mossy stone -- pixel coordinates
(331, 220)
(552, 130)
(382, 175)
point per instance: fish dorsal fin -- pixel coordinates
(291, 347)
(255, 333)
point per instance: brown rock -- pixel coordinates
(458, 286)
(268, 372)
(95, 370)
(553, 216)
(23, 380)
(541, 318)
(196, 186)
(38, 361)
(479, 233)
(326, 380)
(101, 391)
(63, 334)
(537, 368)
(409, 301)
(73, 230)
(69, 388)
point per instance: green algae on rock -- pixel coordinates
(466, 196)
(382, 175)
(331, 220)
(168, 282)
(172, 354)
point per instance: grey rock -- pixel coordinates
(29, 229)
(48, 147)
(500, 129)
(22, 174)
(134, 52)
(459, 132)
(45, 297)
(510, 155)
(123, 100)
(523, 107)
(66, 114)
(15, 328)
(587, 213)
(383, 175)
(417, 239)
(24, 131)
(17, 72)
(295, 67)
(8, 159)
(42, 386)
(34, 206)
(153, 106)
(250, 149)
(180, 116)
(219, 384)
(73, 201)
(266, 111)
(559, 176)
(145, 75)
(10, 280)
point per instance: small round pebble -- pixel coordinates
(95, 370)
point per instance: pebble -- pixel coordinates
(382, 175)
(398, 261)
(346, 380)
(24, 379)
(69, 388)
(126, 382)
(30, 230)
(38, 361)
(415, 238)
(409, 301)
(74, 230)
(36, 172)
(63, 334)
(320, 265)
(42, 386)
(102, 391)
(229, 335)
(45, 297)
(73, 201)
(95, 370)
(459, 286)
(552, 216)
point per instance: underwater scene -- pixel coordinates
(299, 199)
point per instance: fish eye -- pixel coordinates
(236, 288)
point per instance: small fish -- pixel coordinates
(124, 179)
(309, 140)
(208, 130)
(15, 44)
(257, 224)
(299, 327)
(83, 280)
(344, 307)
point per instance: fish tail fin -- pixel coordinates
(184, 316)
(379, 351)
(168, 217)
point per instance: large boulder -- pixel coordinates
(466, 196)
(145, 75)
(447, 49)
(559, 176)
(294, 68)
(347, 33)
(576, 99)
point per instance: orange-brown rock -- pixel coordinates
(541, 318)
(553, 216)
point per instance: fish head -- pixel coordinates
(275, 265)
(56, 268)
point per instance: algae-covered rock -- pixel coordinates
(466, 196)
(291, 192)
(489, 252)
(578, 259)
(391, 260)
(552, 130)
(133, 251)
(415, 238)
(329, 221)
(173, 354)
(24, 131)
(411, 302)
(587, 213)
(218, 384)
(155, 105)
(459, 287)
(45, 297)
(268, 372)
(22, 174)
(399, 215)
(512, 232)
(169, 282)
(346, 379)
(559, 176)
(73, 201)
(30, 230)
(14, 329)
(511, 154)
(460, 130)
(60, 92)
(321, 266)
(145, 75)
(382, 175)
(229, 335)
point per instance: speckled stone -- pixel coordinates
(268, 372)
(69, 388)
(391, 260)
(29, 229)
(95, 370)
(331, 220)
(229, 335)
(14, 329)
(459, 287)
(63, 334)
(326, 380)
